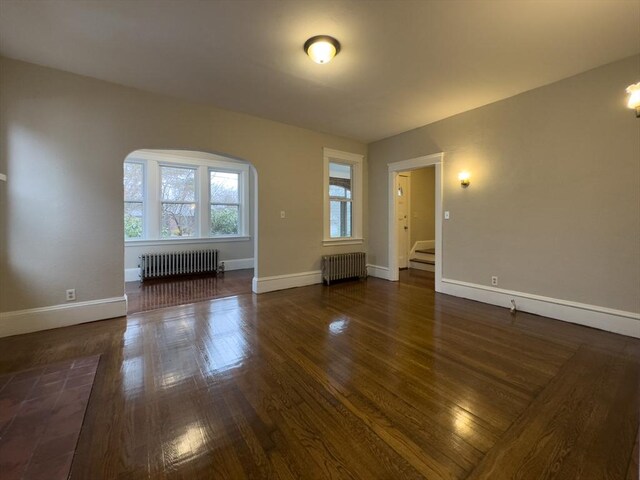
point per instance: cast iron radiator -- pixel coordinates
(156, 265)
(343, 265)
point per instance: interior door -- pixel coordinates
(402, 220)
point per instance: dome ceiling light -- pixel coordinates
(322, 48)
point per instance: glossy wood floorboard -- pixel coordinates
(168, 292)
(368, 379)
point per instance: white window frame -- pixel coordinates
(203, 163)
(143, 201)
(197, 197)
(243, 198)
(356, 162)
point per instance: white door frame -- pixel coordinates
(436, 160)
(408, 196)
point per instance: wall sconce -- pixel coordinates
(464, 179)
(634, 97)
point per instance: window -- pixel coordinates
(343, 197)
(178, 194)
(133, 200)
(173, 197)
(340, 200)
(225, 202)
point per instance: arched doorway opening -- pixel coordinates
(179, 207)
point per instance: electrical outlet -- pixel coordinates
(71, 294)
(494, 281)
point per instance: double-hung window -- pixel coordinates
(178, 195)
(342, 197)
(133, 200)
(224, 198)
(172, 197)
(340, 200)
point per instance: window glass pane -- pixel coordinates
(225, 219)
(340, 219)
(178, 220)
(336, 191)
(224, 187)
(340, 178)
(133, 181)
(178, 184)
(133, 219)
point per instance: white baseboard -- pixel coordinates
(34, 319)
(378, 271)
(133, 274)
(282, 282)
(616, 321)
(237, 264)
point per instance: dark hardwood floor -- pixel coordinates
(368, 379)
(168, 292)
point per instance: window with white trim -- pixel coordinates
(225, 206)
(169, 197)
(342, 197)
(133, 200)
(178, 201)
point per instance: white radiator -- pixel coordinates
(156, 265)
(344, 265)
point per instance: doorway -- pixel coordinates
(403, 200)
(195, 215)
(397, 237)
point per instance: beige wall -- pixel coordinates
(554, 203)
(423, 205)
(64, 138)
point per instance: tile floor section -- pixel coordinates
(41, 414)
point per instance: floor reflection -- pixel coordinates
(188, 444)
(338, 326)
(154, 294)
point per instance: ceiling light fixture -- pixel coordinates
(322, 48)
(634, 97)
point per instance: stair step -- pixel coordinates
(420, 260)
(432, 251)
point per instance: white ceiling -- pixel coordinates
(403, 63)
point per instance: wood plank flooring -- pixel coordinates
(168, 292)
(368, 379)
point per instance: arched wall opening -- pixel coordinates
(180, 200)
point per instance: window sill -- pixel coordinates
(342, 241)
(187, 240)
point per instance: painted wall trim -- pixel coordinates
(55, 316)
(237, 263)
(611, 320)
(378, 271)
(281, 282)
(185, 241)
(436, 160)
(133, 274)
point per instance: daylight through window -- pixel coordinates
(176, 198)
(343, 197)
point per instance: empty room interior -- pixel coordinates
(319, 239)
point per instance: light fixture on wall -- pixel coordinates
(634, 97)
(322, 48)
(464, 179)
